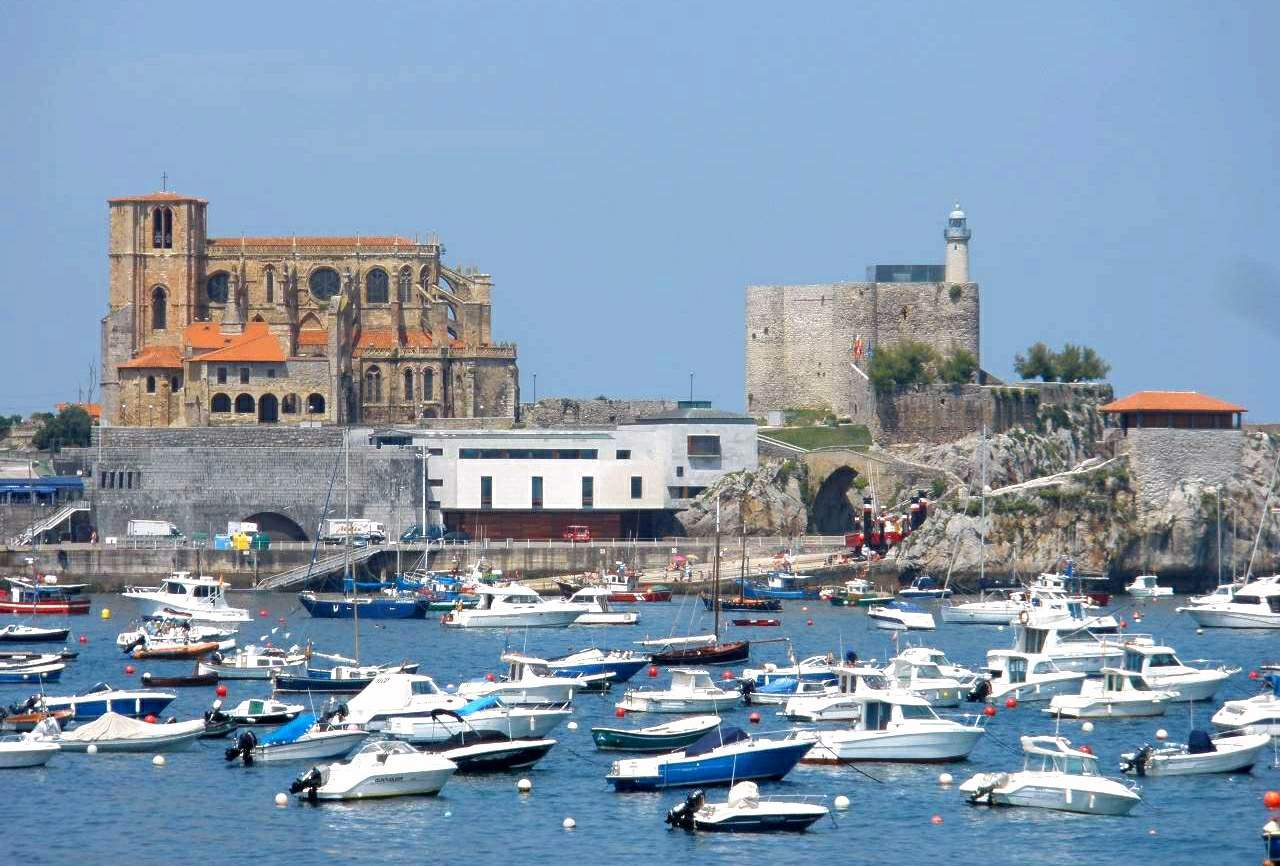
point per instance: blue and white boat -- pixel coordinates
(925, 586)
(813, 669)
(780, 584)
(621, 665)
(330, 606)
(101, 698)
(340, 679)
(723, 756)
(49, 672)
(778, 691)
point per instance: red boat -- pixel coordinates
(44, 604)
(628, 591)
(714, 654)
(760, 622)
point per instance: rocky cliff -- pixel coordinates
(769, 501)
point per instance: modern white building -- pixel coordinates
(623, 481)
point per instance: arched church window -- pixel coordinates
(324, 284)
(159, 309)
(428, 384)
(376, 287)
(269, 279)
(373, 385)
(404, 288)
(408, 385)
(216, 287)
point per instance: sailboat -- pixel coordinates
(714, 652)
(742, 603)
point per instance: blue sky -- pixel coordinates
(625, 170)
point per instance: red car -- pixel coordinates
(576, 533)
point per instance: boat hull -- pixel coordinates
(1076, 707)
(514, 619)
(929, 747)
(716, 654)
(498, 757)
(647, 596)
(89, 707)
(327, 745)
(740, 765)
(621, 740)
(15, 756)
(621, 670)
(395, 783)
(1236, 759)
(35, 635)
(637, 703)
(49, 673)
(374, 608)
(1034, 692)
(1065, 800)
(530, 724)
(171, 743)
(761, 818)
(1208, 617)
(68, 606)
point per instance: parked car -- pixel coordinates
(576, 533)
(414, 533)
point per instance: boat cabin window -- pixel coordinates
(1274, 601)
(255, 707)
(916, 711)
(1074, 765)
(928, 672)
(875, 715)
(423, 687)
(1132, 661)
(1033, 640)
(1045, 667)
(1017, 669)
(1164, 660)
(173, 588)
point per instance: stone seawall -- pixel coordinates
(944, 413)
(1161, 459)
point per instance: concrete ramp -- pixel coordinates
(53, 521)
(320, 569)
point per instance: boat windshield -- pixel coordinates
(386, 747)
(928, 672)
(423, 687)
(1163, 660)
(916, 711)
(95, 688)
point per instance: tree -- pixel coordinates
(959, 367)
(7, 423)
(900, 365)
(1037, 363)
(69, 427)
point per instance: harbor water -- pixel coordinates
(199, 809)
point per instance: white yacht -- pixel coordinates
(1225, 753)
(392, 695)
(1026, 677)
(1147, 586)
(529, 682)
(1259, 714)
(811, 668)
(1255, 605)
(923, 678)
(512, 606)
(939, 659)
(202, 598)
(852, 683)
(1118, 695)
(1158, 668)
(381, 768)
(1071, 649)
(692, 691)
(304, 738)
(1054, 776)
(255, 663)
(900, 616)
(993, 607)
(893, 727)
(596, 610)
(1222, 592)
(744, 812)
(483, 716)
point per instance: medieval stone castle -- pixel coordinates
(807, 347)
(204, 331)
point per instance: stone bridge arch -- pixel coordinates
(833, 490)
(279, 526)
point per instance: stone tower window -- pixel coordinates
(159, 309)
(216, 287)
(373, 385)
(408, 385)
(324, 284)
(162, 228)
(406, 280)
(269, 278)
(428, 384)
(376, 287)
(151, 384)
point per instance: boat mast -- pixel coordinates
(715, 575)
(982, 520)
(742, 576)
(1262, 519)
(349, 572)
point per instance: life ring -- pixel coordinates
(1024, 616)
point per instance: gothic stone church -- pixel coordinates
(208, 331)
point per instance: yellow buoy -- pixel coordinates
(106, 613)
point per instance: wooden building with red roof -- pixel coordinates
(1186, 410)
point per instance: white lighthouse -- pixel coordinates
(957, 235)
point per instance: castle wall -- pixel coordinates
(1161, 458)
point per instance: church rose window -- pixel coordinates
(324, 284)
(376, 287)
(216, 287)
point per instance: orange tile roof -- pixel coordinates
(1170, 401)
(257, 343)
(313, 337)
(94, 410)
(385, 338)
(155, 358)
(156, 196)
(316, 241)
(205, 335)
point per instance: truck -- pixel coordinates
(152, 529)
(355, 529)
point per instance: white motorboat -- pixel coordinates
(1159, 669)
(32, 749)
(1259, 714)
(924, 586)
(596, 610)
(815, 668)
(1255, 605)
(1222, 592)
(925, 679)
(781, 690)
(512, 606)
(852, 682)
(938, 659)
(380, 768)
(112, 732)
(304, 738)
(1026, 677)
(1147, 586)
(255, 663)
(993, 607)
(18, 633)
(481, 715)
(1118, 695)
(900, 616)
(392, 695)
(894, 727)
(159, 633)
(263, 711)
(1070, 649)
(204, 599)
(1054, 776)
(691, 691)
(744, 812)
(529, 682)
(1225, 753)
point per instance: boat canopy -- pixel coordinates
(898, 604)
(289, 732)
(714, 739)
(94, 689)
(780, 686)
(1199, 743)
(478, 704)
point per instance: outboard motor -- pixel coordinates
(243, 749)
(1138, 763)
(334, 712)
(748, 686)
(981, 689)
(851, 657)
(682, 815)
(137, 642)
(216, 657)
(309, 781)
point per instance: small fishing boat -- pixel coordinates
(627, 590)
(1225, 753)
(900, 616)
(529, 682)
(192, 681)
(666, 737)
(15, 633)
(340, 679)
(217, 724)
(263, 711)
(1158, 669)
(620, 665)
(853, 682)
(781, 585)
(1259, 714)
(21, 656)
(596, 611)
(820, 667)
(482, 714)
(925, 679)
(28, 598)
(717, 653)
(26, 716)
(383, 606)
(779, 691)
(1071, 648)
(512, 606)
(893, 727)
(691, 691)
(162, 637)
(100, 698)
(858, 592)
(1147, 586)
(40, 672)
(1026, 677)
(112, 732)
(1054, 776)
(1118, 695)
(379, 768)
(32, 749)
(744, 605)
(937, 658)
(723, 756)
(173, 650)
(924, 586)
(256, 663)
(486, 751)
(203, 598)
(304, 738)
(396, 694)
(744, 812)
(759, 623)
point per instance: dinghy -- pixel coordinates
(744, 812)
(304, 738)
(112, 732)
(666, 737)
(15, 633)
(259, 711)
